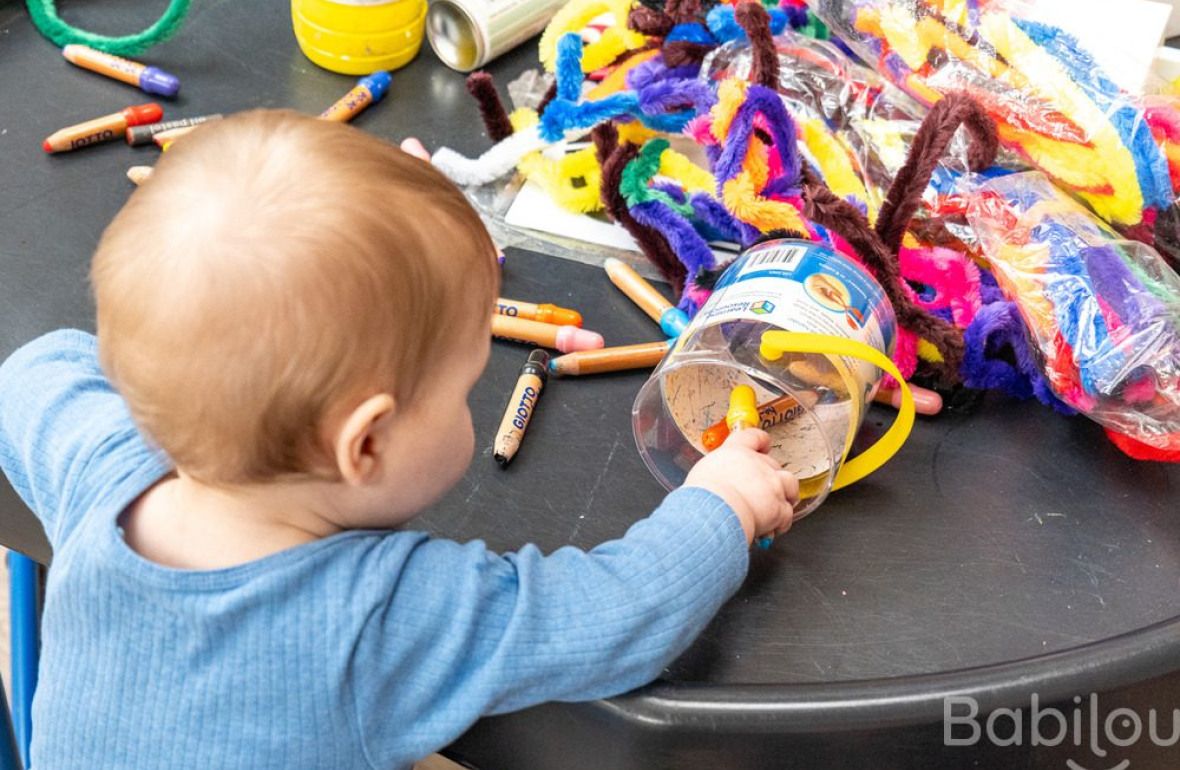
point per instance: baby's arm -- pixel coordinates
(65, 435)
(488, 634)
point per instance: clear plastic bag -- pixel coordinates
(586, 238)
(856, 128)
(1103, 313)
(1052, 104)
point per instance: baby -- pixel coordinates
(225, 472)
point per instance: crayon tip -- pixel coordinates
(571, 338)
(46, 146)
(413, 146)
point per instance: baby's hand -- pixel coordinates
(741, 473)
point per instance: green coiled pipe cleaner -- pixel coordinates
(52, 26)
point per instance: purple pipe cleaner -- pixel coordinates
(686, 242)
(764, 101)
(997, 326)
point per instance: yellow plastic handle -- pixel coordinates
(775, 344)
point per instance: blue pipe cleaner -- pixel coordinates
(1151, 165)
(723, 24)
(566, 113)
(691, 32)
(569, 67)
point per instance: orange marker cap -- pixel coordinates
(714, 436)
(560, 315)
(141, 114)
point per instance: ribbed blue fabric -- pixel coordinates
(365, 649)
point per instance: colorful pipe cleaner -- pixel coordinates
(1104, 314)
(796, 139)
(1051, 101)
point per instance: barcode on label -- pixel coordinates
(783, 256)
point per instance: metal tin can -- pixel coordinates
(466, 34)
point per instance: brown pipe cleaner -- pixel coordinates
(823, 207)
(879, 248)
(935, 133)
(683, 11)
(495, 118)
(754, 19)
(658, 23)
(684, 53)
(550, 95)
(613, 158)
(934, 232)
(649, 21)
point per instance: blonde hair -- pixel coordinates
(275, 270)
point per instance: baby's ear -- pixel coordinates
(357, 444)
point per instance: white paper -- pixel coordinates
(1167, 65)
(1173, 27)
(1122, 35)
(532, 209)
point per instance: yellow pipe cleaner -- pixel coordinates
(574, 17)
(1088, 169)
(835, 161)
(741, 194)
(522, 118)
(574, 181)
(689, 175)
(1107, 160)
(616, 80)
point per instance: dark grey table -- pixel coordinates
(1003, 553)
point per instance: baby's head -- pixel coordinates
(290, 299)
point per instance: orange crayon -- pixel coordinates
(563, 338)
(772, 413)
(103, 129)
(549, 314)
(368, 90)
(616, 359)
(927, 402)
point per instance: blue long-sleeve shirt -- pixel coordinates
(364, 649)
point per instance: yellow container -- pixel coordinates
(359, 37)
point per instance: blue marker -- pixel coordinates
(152, 80)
